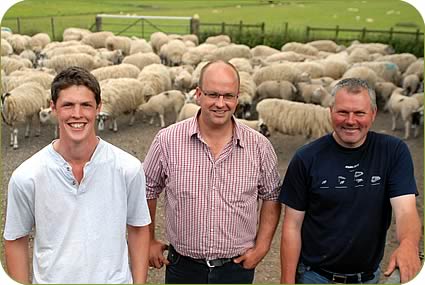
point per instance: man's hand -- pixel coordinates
(251, 257)
(406, 258)
(156, 254)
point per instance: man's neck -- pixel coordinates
(76, 153)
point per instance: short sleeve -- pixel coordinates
(269, 179)
(137, 207)
(154, 170)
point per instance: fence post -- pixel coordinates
(18, 22)
(98, 24)
(336, 32)
(307, 32)
(391, 33)
(285, 36)
(223, 27)
(240, 27)
(194, 26)
(52, 22)
(417, 34)
(363, 33)
(263, 32)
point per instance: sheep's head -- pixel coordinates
(263, 129)
(102, 117)
(46, 115)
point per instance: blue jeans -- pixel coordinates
(306, 276)
(183, 270)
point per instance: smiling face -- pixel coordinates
(218, 78)
(352, 116)
(76, 112)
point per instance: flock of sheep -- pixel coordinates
(285, 90)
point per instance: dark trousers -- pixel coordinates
(184, 270)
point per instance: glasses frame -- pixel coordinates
(228, 97)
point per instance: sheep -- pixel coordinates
(276, 89)
(326, 45)
(285, 56)
(359, 55)
(313, 69)
(70, 34)
(5, 34)
(187, 111)
(19, 42)
(159, 104)
(242, 64)
(123, 70)
(417, 68)
(300, 48)
(6, 48)
(9, 64)
(193, 56)
(405, 106)
(172, 52)
(364, 73)
(142, 59)
(282, 71)
(61, 50)
(386, 70)
(42, 78)
(20, 105)
(39, 41)
(3, 82)
(183, 81)
(156, 79)
(175, 70)
(294, 118)
(383, 92)
(403, 60)
(197, 73)
(228, 52)
(410, 83)
(257, 125)
(61, 62)
(383, 49)
(30, 55)
(216, 40)
(118, 42)
(119, 96)
(305, 92)
(191, 38)
(47, 117)
(140, 45)
(332, 68)
(246, 94)
(263, 51)
(114, 56)
(157, 40)
(97, 39)
(322, 96)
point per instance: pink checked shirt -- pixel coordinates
(211, 205)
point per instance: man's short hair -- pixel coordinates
(355, 86)
(75, 76)
(205, 67)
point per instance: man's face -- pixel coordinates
(218, 79)
(76, 112)
(352, 116)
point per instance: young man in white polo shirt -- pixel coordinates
(81, 195)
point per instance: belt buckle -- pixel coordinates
(336, 278)
(209, 264)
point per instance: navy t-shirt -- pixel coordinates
(345, 195)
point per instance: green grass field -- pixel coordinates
(371, 14)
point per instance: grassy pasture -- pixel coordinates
(370, 14)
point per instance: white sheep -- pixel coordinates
(242, 64)
(257, 125)
(187, 111)
(123, 70)
(172, 52)
(46, 116)
(263, 51)
(230, 51)
(30, 55)
(6, 48)
(142, 59)
(114, 56)
(119, 96)
(386, 70)
(9, 64)
(383, 49)
(358, 55)
(39, 41)
(191, 38)
(21, 105)
(332, 68)
(61, 50)
(405, 106)
(219, 39)
(294, 118)
(16, 79)
(282, 71)
(157, 40)
(155, 79)
(183, 80)
(300, 48)
(97, 39)
(305, 92)
(283, 56)
(247, 90)
(417, 68)
(326, 45)
(61, 62)
(118, 43)
(383, 91)
(140, 45)
(171, 100)
(19, 42)
(77, 34)
(193, 56)
(410, 83)
(276, 89)
(364, 73)
(403, 60)
(197, 73)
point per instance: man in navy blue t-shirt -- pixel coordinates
(339, 192)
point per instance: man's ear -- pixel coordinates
(53, 106)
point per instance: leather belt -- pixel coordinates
(344, 278)
(210, 263)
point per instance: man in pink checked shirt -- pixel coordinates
(213, 171)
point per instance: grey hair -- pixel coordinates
(355, 86)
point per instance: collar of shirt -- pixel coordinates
(237, 137)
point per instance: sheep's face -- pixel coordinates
(352, 117)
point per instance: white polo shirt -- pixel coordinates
(80, 229)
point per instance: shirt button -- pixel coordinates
(67, 168)
(73, 182)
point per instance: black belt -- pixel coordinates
(210, 263)
(344, 278)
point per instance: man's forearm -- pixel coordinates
(138, 247)
(17, 259)
(290, 249)
(152, 212)
(269, 218)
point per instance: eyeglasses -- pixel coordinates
(215, 95)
